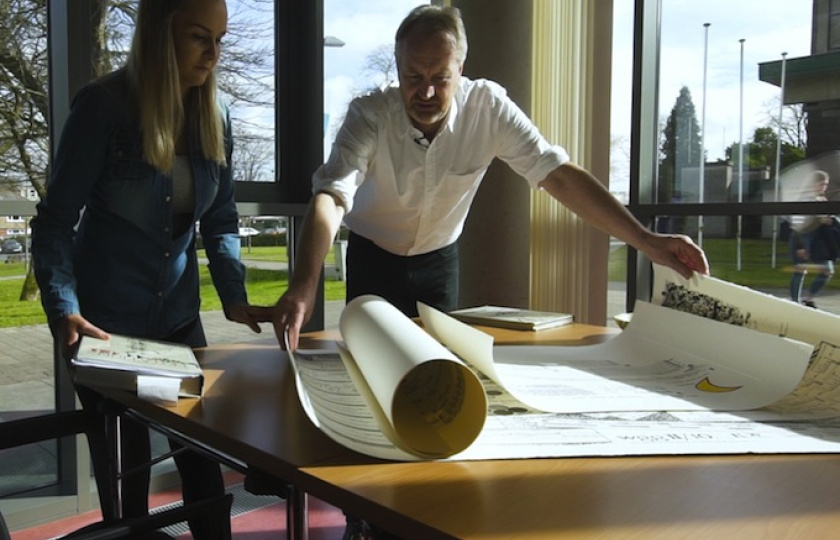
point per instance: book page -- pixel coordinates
(663, 360)
(424, 400)
(515, 431)
(666, 378)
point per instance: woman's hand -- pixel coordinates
(72, 327)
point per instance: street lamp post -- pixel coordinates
(294, 223)
(332, 41)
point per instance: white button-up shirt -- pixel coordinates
(410, 197)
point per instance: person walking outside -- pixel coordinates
(812, 244)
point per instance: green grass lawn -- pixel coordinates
(265, 286)
(756, 271)
(12, 269)
(270, 253)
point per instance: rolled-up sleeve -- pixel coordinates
(523, 147)
(351, 153)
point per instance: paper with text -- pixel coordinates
(513, 430)
(671, 382)
(657, 363)
(392, 388)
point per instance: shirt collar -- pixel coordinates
(452, 115)
(408, 129)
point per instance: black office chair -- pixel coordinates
(57, 425)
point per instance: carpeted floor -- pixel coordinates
(253, 517)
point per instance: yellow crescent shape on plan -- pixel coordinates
(707, 386)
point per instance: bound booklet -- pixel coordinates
(514, 318)
(119, 361)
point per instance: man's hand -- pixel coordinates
(251, 315)
(72, 327)
(676, 251)
(295, 307)
(292, 311)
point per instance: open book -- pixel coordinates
(399, 391)
(155, 369)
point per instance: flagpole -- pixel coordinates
(779, 152)
(740, 155)
(703, 137)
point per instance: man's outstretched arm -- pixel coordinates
(584, 195)
(295, 306)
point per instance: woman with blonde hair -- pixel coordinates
(146, 154)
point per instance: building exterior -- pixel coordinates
(814, 81)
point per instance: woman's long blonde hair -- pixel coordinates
(155, 82)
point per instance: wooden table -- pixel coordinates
(685, 497)
(250, 412)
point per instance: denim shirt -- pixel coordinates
(120, 266)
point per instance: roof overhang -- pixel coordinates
(807, 79)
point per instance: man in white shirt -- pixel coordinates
(404, 169)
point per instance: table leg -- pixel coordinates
(297, 515)
(112, 439)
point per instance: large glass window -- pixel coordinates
(745, 120)
(26, 389)
(722, 111)
(246, 78)
(358, 55)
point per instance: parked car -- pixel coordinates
(11, 246)
(248, 231)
